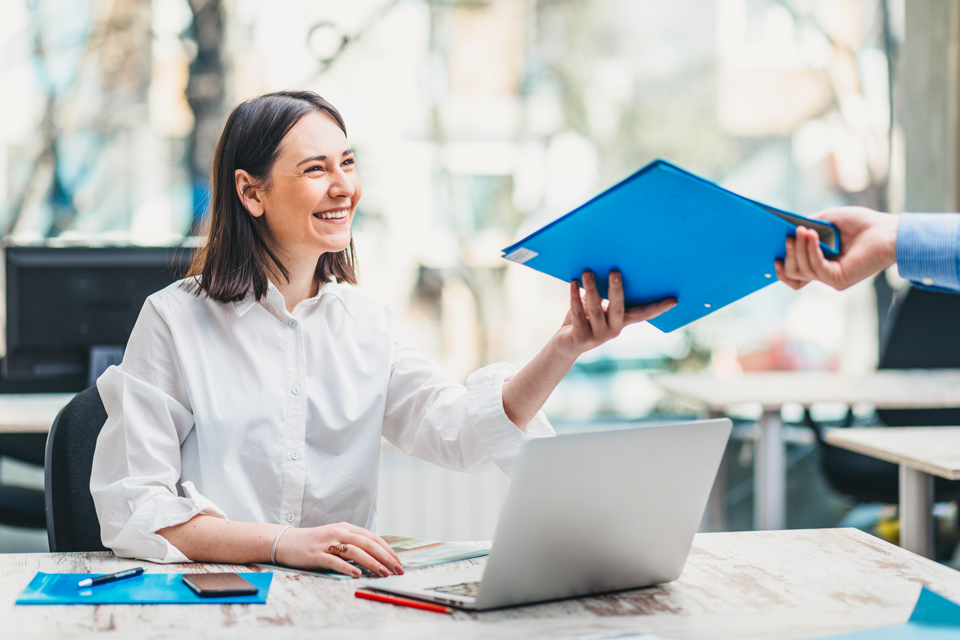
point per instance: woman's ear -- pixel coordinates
(249, 193)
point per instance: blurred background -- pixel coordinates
(474, 123)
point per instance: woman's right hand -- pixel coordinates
(320, 548)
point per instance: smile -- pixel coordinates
(333, 215)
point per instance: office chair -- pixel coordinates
(72, 523)
(921, 330)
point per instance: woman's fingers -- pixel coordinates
(336, 563)
(648, 311)
(364, 558)
(372, 556)
(598, 320)
(577, 313)
(615, 307)
(377, 539)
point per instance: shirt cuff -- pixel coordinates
(139, 537)
(499, 437)
(928, 249)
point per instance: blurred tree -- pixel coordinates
(94, 67)
(205, 95)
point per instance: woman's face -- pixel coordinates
(312, 192)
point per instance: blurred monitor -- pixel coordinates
(70, 310)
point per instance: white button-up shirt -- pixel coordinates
(249, 412)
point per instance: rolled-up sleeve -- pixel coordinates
(430, 416)
(928, 250)
(135, 479)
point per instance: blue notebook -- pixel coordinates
(671, 234)
(149, 588)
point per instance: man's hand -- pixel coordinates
(868, 243)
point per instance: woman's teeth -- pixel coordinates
(332, 215)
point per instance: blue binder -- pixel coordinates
(149, 588)
(671, 234)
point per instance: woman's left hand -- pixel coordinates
(590, 322)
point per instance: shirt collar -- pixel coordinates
(331, 287)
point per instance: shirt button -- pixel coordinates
(295, 454)
(293, 324)
(927, 282)
(294, 389)
(290, 518)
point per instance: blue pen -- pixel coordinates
(113, 577)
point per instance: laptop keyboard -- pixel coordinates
(468, 589)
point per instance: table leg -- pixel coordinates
(916, 511)
(770, 475)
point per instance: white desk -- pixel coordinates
(30, 412)
(921, 452)
(743, 586)
(889, 389)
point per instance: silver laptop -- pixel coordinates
(587, 513)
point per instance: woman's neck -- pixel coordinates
(300, 283)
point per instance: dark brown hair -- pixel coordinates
(237, 257)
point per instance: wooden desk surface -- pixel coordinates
(887, 389)
(29, 412)
(754, 585)
(934, 450)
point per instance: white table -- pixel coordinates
(744, 586)
(922, 453)
(888, 389)
(30, 412)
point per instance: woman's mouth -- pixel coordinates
(337, 214)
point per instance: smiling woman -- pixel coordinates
(244, 423)
(286, 152)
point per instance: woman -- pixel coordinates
(244, 423)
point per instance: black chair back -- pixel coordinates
(72, 523)
(921, 331)
(918, 330)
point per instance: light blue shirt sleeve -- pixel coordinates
(928, 250)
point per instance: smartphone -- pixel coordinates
(216, 585)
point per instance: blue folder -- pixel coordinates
(671, 234)
(148, 588)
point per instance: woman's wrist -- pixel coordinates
(276, 543)
(559, 350)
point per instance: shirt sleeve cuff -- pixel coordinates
(499, 437)
(139, 537)
(928, 249)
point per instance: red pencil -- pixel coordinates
(403, 602)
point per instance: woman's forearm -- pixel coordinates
(211, 539)
(525, 394)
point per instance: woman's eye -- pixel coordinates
(313, 169)
(348, 162)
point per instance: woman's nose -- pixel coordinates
(341, 184)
